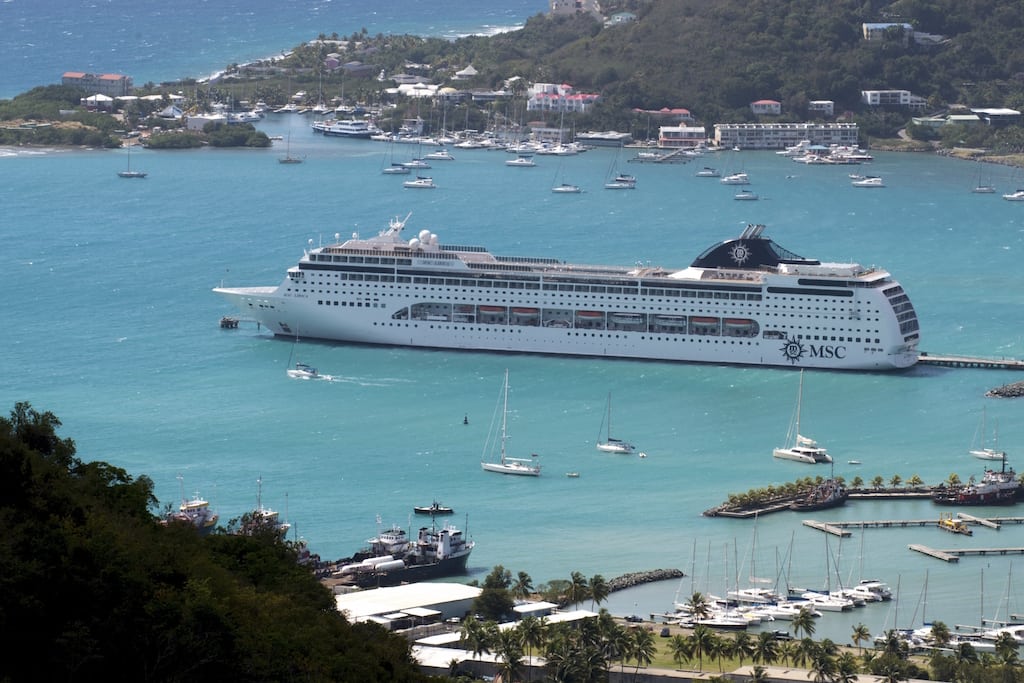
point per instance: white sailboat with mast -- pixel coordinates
(982, 451)
(610, 444)
(800, 447)
(505, 464)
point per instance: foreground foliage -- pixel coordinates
(94, 586)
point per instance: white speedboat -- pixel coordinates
(708, 172)
(800, 448)
(439, 155)
(735, 179)
(505, 464)
(303, 371)
(1017, 196)
(745, 196)
(421, 183)
(868, 181)
(521, 161)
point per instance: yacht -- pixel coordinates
(735, 179)
(745, 301)
(346, 128)
(1017, 196)
(421, 183)
(868, 181)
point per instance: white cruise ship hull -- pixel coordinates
(444, 303)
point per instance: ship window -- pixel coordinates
(355, 259)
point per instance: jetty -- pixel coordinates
(976, 362)
(839, 528)
(954, 555)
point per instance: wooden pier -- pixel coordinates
(932, 552)
(954, 361)
(836, 526)
(829, 528)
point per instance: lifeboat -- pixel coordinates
(492, 309)
(590, 315)
(670, 320)
(704, 321)
(627, 318)
(525, 311)
(739, 323)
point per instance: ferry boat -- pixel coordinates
(745, 301)
(346, 128)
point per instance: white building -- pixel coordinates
(822, 107)
(892, 98)
(766, 107)
(682, 137)
(782, 135)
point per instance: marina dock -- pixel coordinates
(955, 554)
(840, 528)
(955, 361)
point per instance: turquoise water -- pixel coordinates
(111, 325)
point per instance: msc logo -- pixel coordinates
(794, 350)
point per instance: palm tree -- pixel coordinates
(681, 650)
(846, 668)
(856, 483)
(1006, 649)
(578, 590)
(702, 641)
(523, 586)
(699, 606)
(789, 651)
(823, 666)
(860, 635)
(509, 649)
(758, 674)
(743, 646)
(475, 637)
(531, 632)
(895, 481)
(915, 481)
(940, 633)
(644, 648)
(953, 479)
(766, 648)
(803, 622)
(878, 482)
(599, 590)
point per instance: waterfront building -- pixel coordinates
(111, 85)
(682, 137)
(782, 135)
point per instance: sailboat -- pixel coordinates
(288, 158)
(610, 443)
(981, 187)
(507, 465)
(301, 370)
(562, 187)
(619, 181)
(983, 452)
(799, 447)
(128, 172)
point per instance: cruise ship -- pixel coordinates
(744, 301)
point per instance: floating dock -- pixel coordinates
(943, 555)
(828, 528)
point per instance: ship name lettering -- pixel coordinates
(827, 351)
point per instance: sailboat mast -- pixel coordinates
(799, 402)
(504, 418)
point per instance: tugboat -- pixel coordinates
(434, 508)
(828, 494)
(391, 559)
(997, 487)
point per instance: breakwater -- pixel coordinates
(638, 578)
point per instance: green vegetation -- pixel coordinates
(95, 587)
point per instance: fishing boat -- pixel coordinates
(391, 559)
(505, 464)
(749, 277)
(434, 508)
(800, 448)
(195, 511)
(610, 444)
(828, 494)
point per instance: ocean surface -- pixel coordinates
(110, 323)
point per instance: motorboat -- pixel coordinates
(868, 181)
(522, 161)
(826, 602)
(439, 155)
(708, 172)
(421, 183)
(745, 196)
(303, 371)
(735, 179)
(434, 508)
(1017, 196)
(879, 588)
